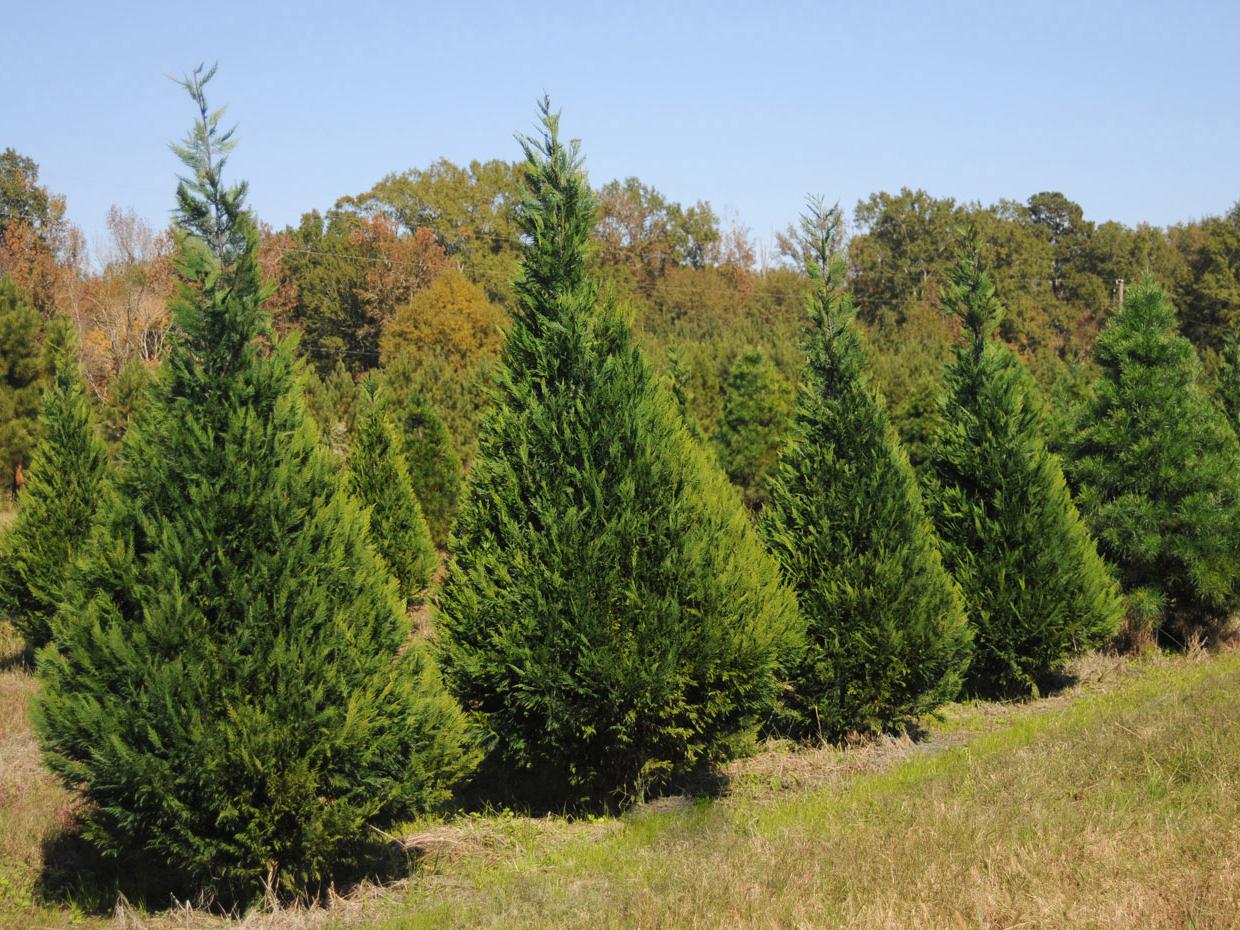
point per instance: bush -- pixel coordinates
(608, 614)
(1158, 469)
(232, 686)
(887, 636)
(1034, 587)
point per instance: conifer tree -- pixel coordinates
(434, 468)
(1229, 381)
(1158, 470)
(887, 635)
(380, 481)
(22, 373)
(63, 488)
(754, 425)
(609, 613)
(1034, 587)
(231, 685)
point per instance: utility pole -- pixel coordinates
(1119, 286)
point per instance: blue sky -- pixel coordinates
(1132, 109)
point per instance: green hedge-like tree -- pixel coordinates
(231, 685)
(63, 488)
(887, 635)
(1034, 586)
(757, 406)
(434, 467)
(380, 481)
(609, 613)
(1158, 470)
(1228, 386)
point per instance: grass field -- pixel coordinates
(1114, 804)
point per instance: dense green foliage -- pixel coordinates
(379, 480)
(21, 380)
(1034, 587)
(231, 685)
(434, 468)
(125, 401)
(887, 635)
(756, 410)
(609, 614)
(1228, 382)
(1158, 469)
(55, 512)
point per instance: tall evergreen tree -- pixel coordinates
(434, 467)
(754, 426)
(887, 635)
(63, 487)
(609, 613)
(231, 685)
(1034, 587)
(380, 481)
(1158, 469)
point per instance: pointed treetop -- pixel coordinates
(206, 208)
(557, 213)
(819, 244)
(969, 292)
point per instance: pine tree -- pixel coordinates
(1158, 470)
(434, 468)
(63, 488)
(231, 685)
(1034, 587)
(887, 635)
(379, 480)
(608, 613)
(754, 425)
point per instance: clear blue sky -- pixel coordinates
(1132, 109)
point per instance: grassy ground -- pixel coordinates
(1115, 804)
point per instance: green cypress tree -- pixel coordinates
(887, 635)
(1034, 587)
(380, 481)
(1228, 383)
(434, 468)
(126, 400)
(63, 488)
(231, 685)
(754, 426)
(22, 373)
(609, 613)
(1158, 470)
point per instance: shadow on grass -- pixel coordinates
(75, 874)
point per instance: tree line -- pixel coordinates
(229, 670)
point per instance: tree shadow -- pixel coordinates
(76, 875)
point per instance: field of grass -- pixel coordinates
(1114, 804)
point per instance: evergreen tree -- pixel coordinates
(22, 370)
(434, 468)
(231, 684)
(1228, 388)
(1158, 470)
(380, 481)
(63, 488)
(887, 635)
(753, 429)
(126, 400)
(609, 613)
(1034, 587)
